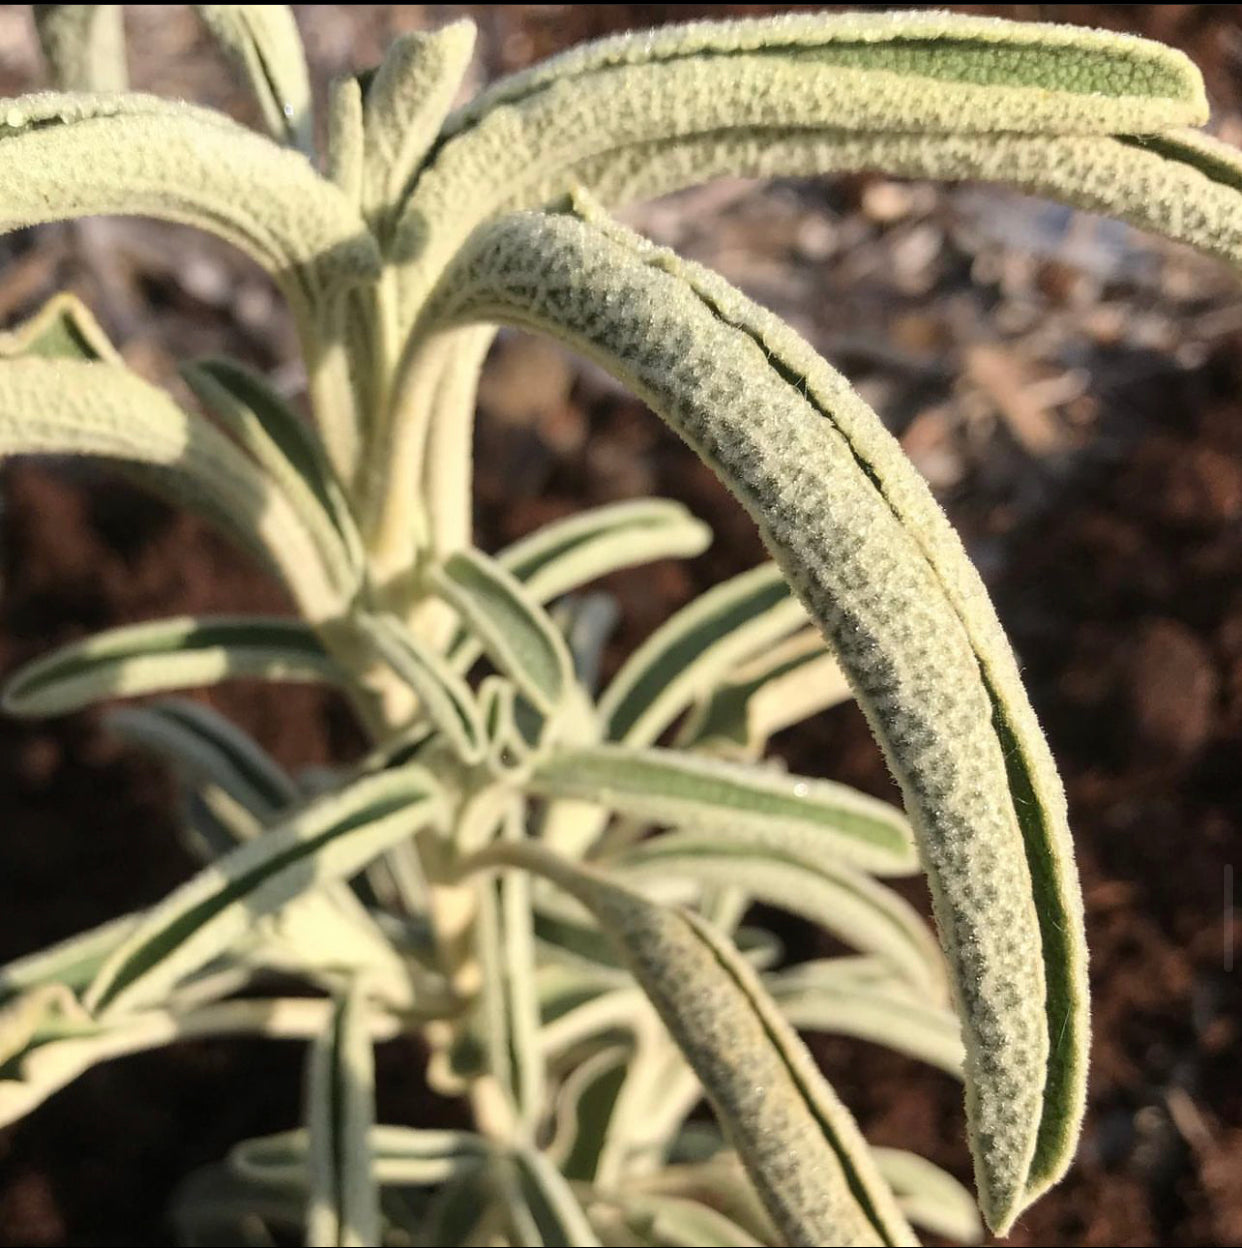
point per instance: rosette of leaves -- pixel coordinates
(554, 884)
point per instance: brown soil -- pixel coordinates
(1115, 558)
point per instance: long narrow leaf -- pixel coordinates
(518, 636)
(137, 659)
(331, 839)
(879, 568)
(695, 648)
(87, 408)
(757, 805)
(342, 1202)
(84, 45)
(800, 1146)
(263, 40)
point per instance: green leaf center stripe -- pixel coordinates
(399, 804)
(937, 45)
(665, 787)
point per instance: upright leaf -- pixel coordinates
(84, 45)
(343, 1204)
(263, 40)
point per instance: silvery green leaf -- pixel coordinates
(284, 445)
(864, 914)
(401, 1156)
(757, 807)
(342, 1201)
(136, 659)
(517, 634)
(68, 156)
(676, 1222)
(72, 962)
(773, 691)
(88, 408)
(878, 567)
(535, 137)
(799, 1144)
(406, 101)
(84, 45)
(345, 137)
(264, 42)
(49, 1064)
(207, 748)
(882, 1014)
(583, 1105)
(570, 553)
(331, 839)
(694, 649)
(443, 696)
(555, 1217)
(63, 328)
(929, 1197)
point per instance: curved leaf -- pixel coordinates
(62, 329)
(69, 156)
(877, 565)
(748, 804)
(800, 1146)
(87, 408)
(929, 1197)
(331, 839)
(686, 656)
(137, 659)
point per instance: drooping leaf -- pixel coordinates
(534, 137)
(799, 1144)
(877, 565)
(552, 1209)
(331, 839)
(136, 659)
(342, 1208)
(87, 408)
(758, 806)
(264, 42)
(68, 156)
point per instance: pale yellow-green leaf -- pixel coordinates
(69, 407)
(342, 1201)
(799, 1144)
(329, 840)
(758, 805)
(63, 328)
(84, 45)
(877, 565)
(181, 653)
(930, 1197)
(69, 156)
(406, 102)
(264, 42)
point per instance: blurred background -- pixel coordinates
(1070, 389)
